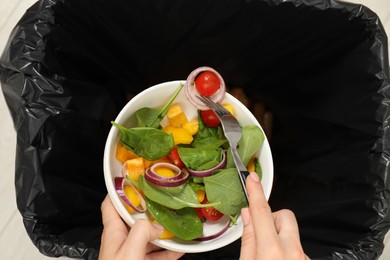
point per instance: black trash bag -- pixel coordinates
(321, 67)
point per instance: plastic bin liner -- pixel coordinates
(321, 67)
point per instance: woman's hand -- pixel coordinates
(268, 235)
(120, 243)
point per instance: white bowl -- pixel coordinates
(156, 96)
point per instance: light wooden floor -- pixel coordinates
(14, 242)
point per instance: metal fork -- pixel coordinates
(233, 133)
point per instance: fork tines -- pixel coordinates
(216, 107)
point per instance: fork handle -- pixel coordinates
(242, 176)
(242, 171)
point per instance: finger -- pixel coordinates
(152, 248)
(114, 231)
(110, 216)
(142, 232)
(262, 218)
(248, 239)
(286, 223)
(156, 252)
(165, 254)
(287, 227)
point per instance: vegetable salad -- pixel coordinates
(182, 174)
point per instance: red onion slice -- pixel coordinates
(120, 183)
(223, 229)
(124, 169)
(181, 176)
(210, 171)
(191, 91)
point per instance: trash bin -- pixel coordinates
(321, 67)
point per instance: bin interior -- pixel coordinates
(321, 68)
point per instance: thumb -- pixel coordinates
(141, 233)
(114, 232)
(248, 239)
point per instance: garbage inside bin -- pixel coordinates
(320, 67)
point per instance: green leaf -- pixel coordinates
(250, 142)
(199, 158)
(174, 198)
(152, 117)
(208, 137)
(147, 142)
(224, 186)
(146, 116)
(258, 169)
(183, 223)
(196, 186)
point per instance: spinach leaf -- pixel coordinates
(174, 198)
(199, 158)
(258, 169)
(251, 141)
(183, 223)
(146, 116)
(196, 186)
(208, 137)
(147, 142)
(152, 117)
(224, 186)
(197, 180)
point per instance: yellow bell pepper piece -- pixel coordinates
(229, 108)
(251, 165)
(201, 194)
(166, 234)
(176, 115)
(165, 172)
(135, 168)
(150, 163)
(180, 135)
(132, 196)
(122, 154)
(191, 126)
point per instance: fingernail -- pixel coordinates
(245, 216)
(254, 177)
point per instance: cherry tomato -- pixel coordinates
(175, 158)
(207, 83)
(209, 118)
(200, 215)
(209, 213)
